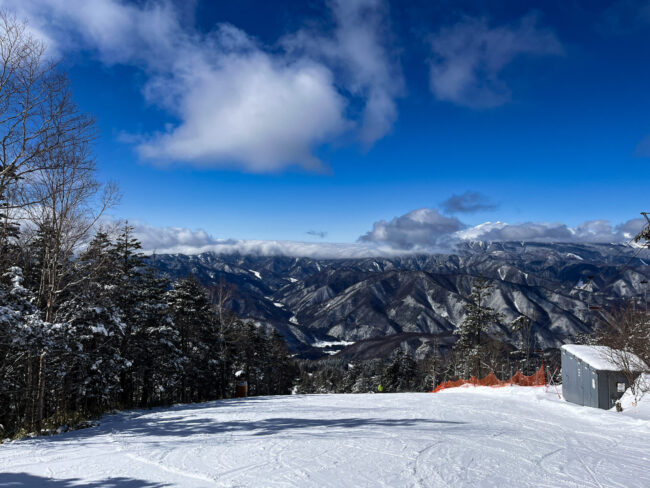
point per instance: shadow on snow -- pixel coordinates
(24, 480)
(140, 423)
(183, 427)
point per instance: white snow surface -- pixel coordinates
(600, 357)
(478, 437)
(322, 344)
(639, 405)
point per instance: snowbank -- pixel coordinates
(639, 407)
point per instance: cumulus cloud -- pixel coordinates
(418, 229)
(317, 233)
(631, 228)
(468, 202)
(468, 58)
(237, 102)
(358, 48)
(252, 109)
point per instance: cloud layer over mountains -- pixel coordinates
(426, 229)
(420, 231)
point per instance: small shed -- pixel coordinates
(591, 378)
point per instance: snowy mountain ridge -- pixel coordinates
(373, 301)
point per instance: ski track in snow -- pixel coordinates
(523, 437)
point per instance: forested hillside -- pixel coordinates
(364, 308)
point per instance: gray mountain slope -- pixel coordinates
(322, 305)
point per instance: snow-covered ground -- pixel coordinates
(504, 437)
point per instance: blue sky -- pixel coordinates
(268, 120)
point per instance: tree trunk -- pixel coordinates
(41, 392)
(30, 410)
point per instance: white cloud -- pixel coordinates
(238, 103)
(426, 230)
(172, 240)
(591, 231)
(163, 238)
(251, 109)
(359, 48)
(469, 57)
(418, 229)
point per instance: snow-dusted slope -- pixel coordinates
(371, 301)
(513, 436)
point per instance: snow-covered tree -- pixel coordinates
(401, 373)
(194, 321)
(282, 368)
(158, 362)
(25, 341)
(479, 317)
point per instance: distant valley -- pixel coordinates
(364, 308)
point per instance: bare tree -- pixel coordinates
(626, 334)
(46, 171)
(71, 201)
(221, 295)
(37, 115)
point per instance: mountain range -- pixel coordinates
(365, 307)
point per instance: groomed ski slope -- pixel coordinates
(505, 437)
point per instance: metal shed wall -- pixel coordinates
(587, 386)
(580, 382)
(609, 393)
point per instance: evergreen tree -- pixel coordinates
(25, 342)
(283, 369)
(96, 329)
(128, 263)
(479, 317)
(350, 378)
(401, 374)
(158, 362)
(195, 324)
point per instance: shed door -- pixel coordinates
(580, 382)
(591, 388)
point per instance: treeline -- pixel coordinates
(402, 373)
(86, 325)
(122, 336)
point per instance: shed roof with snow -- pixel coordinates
(603, 358)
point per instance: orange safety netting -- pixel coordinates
(536, 379)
